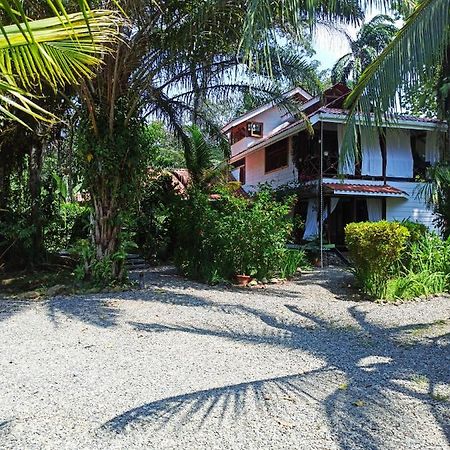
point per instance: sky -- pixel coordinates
(331, 45)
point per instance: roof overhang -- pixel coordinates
(363, 190)
(415, 124)
(255, 112)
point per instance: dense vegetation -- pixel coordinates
(398, 260)
(98, 184)
(218, 239)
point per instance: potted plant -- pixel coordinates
(242, 265)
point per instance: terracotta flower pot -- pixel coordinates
(243, 280)
(316, 262)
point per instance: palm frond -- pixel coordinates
(409, 59)
(60, 50)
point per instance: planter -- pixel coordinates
(316, 262)
(242, 280)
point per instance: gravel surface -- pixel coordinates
(179, 365)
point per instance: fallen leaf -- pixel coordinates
(359, 403)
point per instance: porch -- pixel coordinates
(343, 203)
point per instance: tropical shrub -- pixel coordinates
(403, 265)
(416, 284)
(151, 218)
(70, 224)
(417, 231)
(429, 254)
(98, 272)
(292, 261)
(217, 239)
(375, 249)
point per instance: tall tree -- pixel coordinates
(39, 55)
(419, 49)
(174, 56)
(370, 41)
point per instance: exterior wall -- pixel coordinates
(412, 208)
(271, 118)
(255, 171)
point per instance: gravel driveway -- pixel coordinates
(179, 365)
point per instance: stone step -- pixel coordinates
(138, 267)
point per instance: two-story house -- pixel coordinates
(269, 145)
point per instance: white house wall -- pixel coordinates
(255, 171)
(271, 119)
(412, 208)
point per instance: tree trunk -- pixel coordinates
(106, 231)
(34, 183)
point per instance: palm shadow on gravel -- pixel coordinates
(9, 307)
(369, 389)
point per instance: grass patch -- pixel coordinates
(440, 397)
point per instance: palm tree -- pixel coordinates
(370, 41)
(419, 48)
(57, 50)
(174, 57)
(437, 194)
(39, 56)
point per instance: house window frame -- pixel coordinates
(285, 144)
(252, 132)
(240, 164)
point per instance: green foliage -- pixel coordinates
(412, 285)
(152, 217)
(417, 231)
(164, 149)
(232, 235)
(203, 155)
(292, 261)
(98, 271)
(372, 38)
(429, 254)
(399, 260)
(375, 249)
(67, 226)
(436, 193)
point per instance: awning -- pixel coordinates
(365, 190)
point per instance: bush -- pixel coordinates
(292, 261)
(399, 260)
(375, 249)
(232, 235)
(151, 219)
(417, 231)
(70, 224)
(412, 285)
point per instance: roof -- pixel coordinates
(340, 111)
(376, 190)
(180, 180)
(260, 109)
(413, 122)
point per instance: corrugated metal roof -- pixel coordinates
(372, 189)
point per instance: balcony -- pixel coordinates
(242, 145)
